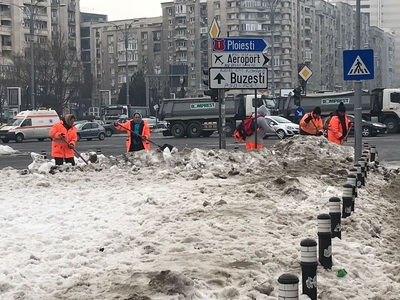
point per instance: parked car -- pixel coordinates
(90, 130)
(369, 128)
(155, 123)
(282, 126)
(110, 129)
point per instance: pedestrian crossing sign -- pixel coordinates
(358, 64)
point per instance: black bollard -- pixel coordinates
(353, 171)
(347, 198)
(288, 287)
(359, 175)
(98, 151)
(334, 212)
(352, 179)
(324, 241)
(44, 154)
(309, 265)
(373, 154)
(361, 162)
(366, 169)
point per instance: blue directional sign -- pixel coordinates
(299, 113)
(239, 45)
(358, 64)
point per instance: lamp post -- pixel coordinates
(125, 33)
(31, 16)
(272, 5)
(31, 38)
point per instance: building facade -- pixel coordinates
(383, 14)
(50, 17)
(310, 33)
(118, 50)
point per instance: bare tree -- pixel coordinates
(58, 73)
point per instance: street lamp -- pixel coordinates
(30, 13)
(272, 5)
(125, 32)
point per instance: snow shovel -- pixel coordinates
(75, 151)
(162, 148)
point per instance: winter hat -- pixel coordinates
(317, 111)
(341, 107)
(69, 119)
(262, 110)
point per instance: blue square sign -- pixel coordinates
(358, 64)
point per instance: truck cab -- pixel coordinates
(385, 105)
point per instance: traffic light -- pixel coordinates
(213, 93)
(297, 96)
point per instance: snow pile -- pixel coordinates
(194, 224)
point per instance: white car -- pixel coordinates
(153, 124)
(282, 126)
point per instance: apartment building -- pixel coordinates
(186, 45)
(383, 14)
(121, 48)
(49, 18)
(310, 33)
(87, 19)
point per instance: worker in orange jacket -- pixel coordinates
(64, 137)
(339, 126)
(311, 123)
(138, 133)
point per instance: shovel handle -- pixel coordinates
(75, 151)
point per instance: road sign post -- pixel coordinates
(358, 65)
(237, 63)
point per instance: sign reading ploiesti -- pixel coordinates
(239, 45)
(238, 63)
(238, 78)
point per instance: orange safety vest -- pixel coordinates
(314, 126)
(59, 147)
(335, 129)
(127, 126)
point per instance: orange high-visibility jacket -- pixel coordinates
(59, 148)
(129, 127)
(335, 130)
(314, 126)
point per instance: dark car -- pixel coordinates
(369, 128)
(90, 130)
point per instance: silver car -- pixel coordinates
(283, 127)
(90, 130)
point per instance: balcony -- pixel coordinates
(6, 14)
(7, 46)
(5, 29)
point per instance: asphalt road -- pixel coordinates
(387, 146)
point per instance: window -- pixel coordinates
(27, 122)
(395, 97)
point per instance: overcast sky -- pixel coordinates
(123, 9)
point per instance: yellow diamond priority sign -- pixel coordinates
(214, 29)
(305, 73)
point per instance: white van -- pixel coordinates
(29, 124)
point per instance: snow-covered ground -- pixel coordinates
(193, 224)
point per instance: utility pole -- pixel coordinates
(31, 36)
(272, 5)
(358, 92)
(126, 62)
